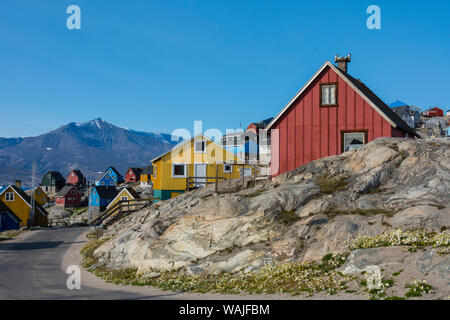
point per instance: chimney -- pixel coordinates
(18, 184)
(343, 62)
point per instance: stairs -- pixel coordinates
(119, 210)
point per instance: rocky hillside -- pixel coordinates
(322, 208)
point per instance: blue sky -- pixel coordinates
(160, 65)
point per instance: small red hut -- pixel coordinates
(69, 196)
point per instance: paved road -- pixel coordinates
(32, 266)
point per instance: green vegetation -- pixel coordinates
(417, 288)
(395, 274)
(288, 218)
(417, 238)
(9, 234)
(88, 250)
(362, 212)
(329, 184)
(77, 211)
(394, 298)
(291, 278)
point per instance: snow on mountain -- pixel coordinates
(90, 146)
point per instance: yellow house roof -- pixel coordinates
(203, 137)
(25, 198)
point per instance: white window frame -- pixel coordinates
(123, 198)
(173, 170)
(195, 146)
(155, 167)
(324, 86)
(227, 171)
(9, 196)
(356, 132)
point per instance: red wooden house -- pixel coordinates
(331, 114)
(433, 112)
(76, 178)
(69, 196)
(133, 175)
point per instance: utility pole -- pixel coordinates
(33, 186)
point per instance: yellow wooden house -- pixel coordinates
(126, 194)
(192, 163)
(20, 204)
(39, 195)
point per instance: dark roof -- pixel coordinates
(28, 199)
(4, 209)
(64, 191)
(147, 170)
(380, 104)
(55, 174)
(78, 173)
(400, 110)
(263, 123)
(106, 192)
(137, 171)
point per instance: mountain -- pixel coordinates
(89, 146)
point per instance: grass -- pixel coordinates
(418, 238)
(88, 250)
(395, 274)
(77, 211)
(9, 234)
(395, 298)
(329, 184)
(417, 288)
(288, 218)
(362, 212)
(290, 278)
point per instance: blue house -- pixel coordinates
(111, 177)
(8, 220)
(101, 197)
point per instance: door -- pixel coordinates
(199, 174)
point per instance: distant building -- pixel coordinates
(251, 145)
(433, 112)
(133, 175)
(111, 177)
(261, 142)
(146, 176)
(39, 195)
(409, 115)
(192, 164)
(8, 219)
(234, 142)
(76, 178)
(126, 194)
(68, 197)
(53, 181)
(101, 197)
(21, 205)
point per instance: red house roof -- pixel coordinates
(368, 95)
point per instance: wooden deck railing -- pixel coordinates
(120, 209)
